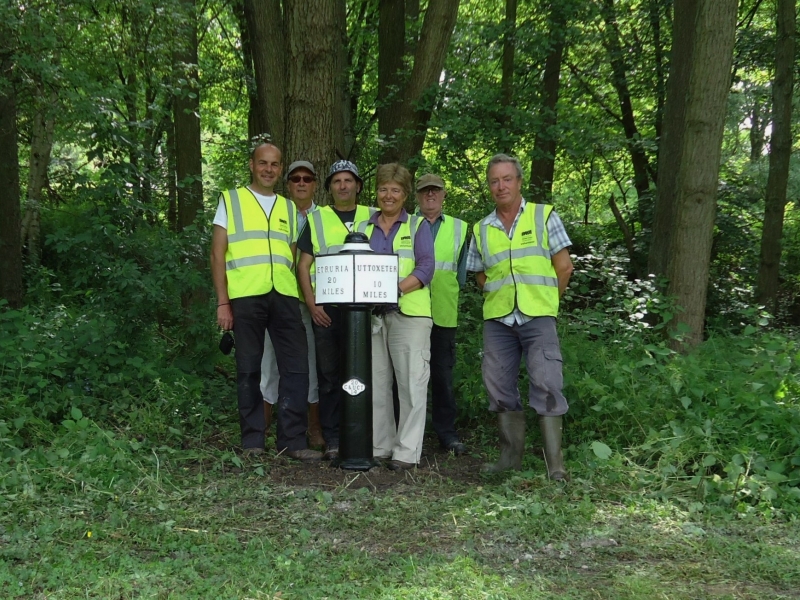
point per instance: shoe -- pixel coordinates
(252, 451)
(331, 453)
(399, 465)
(553, 457)
(315, 439)
(511, 425)
(304, 455)
(455, 447)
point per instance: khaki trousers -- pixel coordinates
(401, 347)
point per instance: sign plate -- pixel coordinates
(334, 278)
(356, 278)
(354, 387)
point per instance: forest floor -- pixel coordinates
(215, 526)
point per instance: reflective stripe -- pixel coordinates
(405, 254)
(277, 235)
(291, 210)
(458, 225)
(445, 266)
(540, 223)
(320, 231)
(493, 259)
(362, 227)
(247, 235)
(493, 286)
(485, 244)
(257, 260)
(236, 209)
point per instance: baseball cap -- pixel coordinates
(338, 167)
(429, 181)
(300, 164)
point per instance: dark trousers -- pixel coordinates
(280, 316)
(330, 346)
(443, 359)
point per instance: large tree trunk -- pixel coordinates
(543, 163)
(699, 133)
(314, 125)
(671, 147)
(616, 55)
(255, 122)
(391, 76)
(10, 244)
(265, 26)
(41, 148)
(780, 150)
(507, 80)
(405, 122)
(186, 117)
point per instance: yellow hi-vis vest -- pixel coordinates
(447, 247)
(418, 302)
(519, 271)
(328, 232)
(259, 255)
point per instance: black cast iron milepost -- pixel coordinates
(356, 279)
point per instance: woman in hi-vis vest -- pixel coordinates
(401, 333)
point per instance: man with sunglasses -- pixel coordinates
(252, 265)
(301, 185)
(449, 243)
(324, 233)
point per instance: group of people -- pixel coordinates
(288, 348)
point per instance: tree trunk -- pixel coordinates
(41, 148)
(405, 124)
(172, 181)
(186, 117)
(658, 47)
(359, 50)
(391, 76)
(758, 121)
(255, 123)
(265, 25)
(671, 146)
(780, 150)
(696, 178)
(543, 163)
(10, 244)
(507, 81)
(616, 55)
(314, 125)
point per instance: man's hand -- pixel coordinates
(225, 317)
(318, 315)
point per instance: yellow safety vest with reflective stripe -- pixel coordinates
(328, 232)
(447, 246)
(519, 271)
(259, 255)
(418, 302)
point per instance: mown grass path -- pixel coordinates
(207, 528)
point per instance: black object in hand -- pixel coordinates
(226, 344)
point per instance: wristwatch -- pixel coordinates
(399, 292)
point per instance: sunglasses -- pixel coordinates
(303, 178)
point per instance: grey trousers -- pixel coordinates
(503, 348)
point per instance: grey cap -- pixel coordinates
(300, 164)
(338, 167)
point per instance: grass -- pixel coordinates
(195, 525)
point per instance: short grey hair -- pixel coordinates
(504, 158)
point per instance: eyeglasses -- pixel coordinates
(303, 178)
(430, 190)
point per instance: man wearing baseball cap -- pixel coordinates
(324, 233)
(301, 185)
(449, 243)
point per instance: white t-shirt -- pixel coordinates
(221, 218)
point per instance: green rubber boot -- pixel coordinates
(512, 442)
(551, 436)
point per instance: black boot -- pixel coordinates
(551, 437)
(512, 442)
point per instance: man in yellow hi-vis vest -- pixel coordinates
(449, 244)
(324, 233)
(252, 265)
(521, 257)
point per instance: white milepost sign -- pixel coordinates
(376, 279)
(334, 279)
(356, 279)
